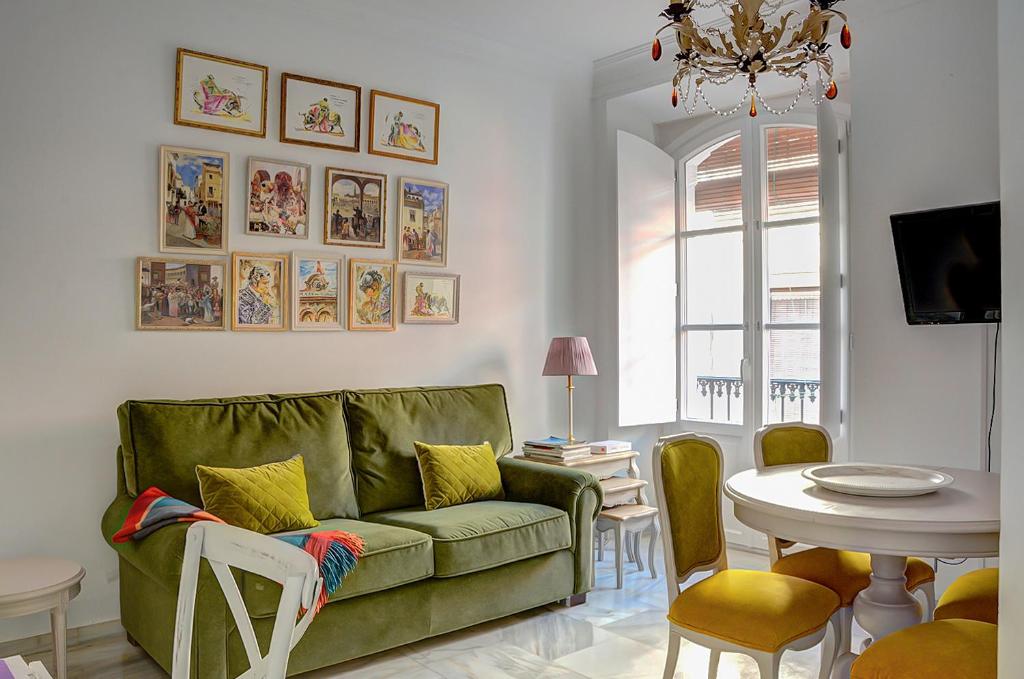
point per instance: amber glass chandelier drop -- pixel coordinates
(754, 45)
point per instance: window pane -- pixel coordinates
(711, 377)
(713, 279)
(714, 194)
(794, 375)
(793, 265)
(791, 154)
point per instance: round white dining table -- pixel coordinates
(961, 520)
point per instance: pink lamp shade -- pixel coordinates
(569, 356)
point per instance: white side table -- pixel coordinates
(34, 584)
(19, 669)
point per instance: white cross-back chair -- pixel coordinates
(225, 547)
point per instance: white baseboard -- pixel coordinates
(76, 636)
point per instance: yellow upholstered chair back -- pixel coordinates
(791, 443)
(688, 471)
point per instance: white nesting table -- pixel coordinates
(959, 521)
(35, 584)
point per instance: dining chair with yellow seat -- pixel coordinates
(974, 596)
(755, 613)
(844, 572)
(944, 649)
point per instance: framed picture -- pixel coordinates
(278, 198)
(316, 291)
(354, 208)
(430, 298)
(320, 113)
(422, 222)
(217, 93)
(193, 201)
(260, 290)
(402, 127)
(371, 295)
(180, 294)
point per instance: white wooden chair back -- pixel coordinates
(673, 578)
(224, 547)
(769, 428)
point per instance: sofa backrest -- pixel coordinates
(163, 441)
(383, 423)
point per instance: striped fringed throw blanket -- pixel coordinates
(335, 551)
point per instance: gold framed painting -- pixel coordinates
(355, 208)
(430, 298)
(403, 127)
(180, 294)
(259, 291)
(422, 222)
(371, 295)
(323, 113)
(278, 198)
(193, 201)
(218, 93)
(316, 291)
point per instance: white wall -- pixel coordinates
(924, 136)
(1011, 552)
(87, 99)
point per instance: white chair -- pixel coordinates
(225, 547)
(759, 614)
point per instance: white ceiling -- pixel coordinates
(570, 29)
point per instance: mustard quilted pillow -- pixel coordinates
(455, 475)
(267, 499)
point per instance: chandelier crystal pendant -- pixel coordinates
(751, 49)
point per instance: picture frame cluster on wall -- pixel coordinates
(201, 287)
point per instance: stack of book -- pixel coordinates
(610, 447)
(554, 448)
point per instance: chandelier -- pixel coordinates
(752, 48)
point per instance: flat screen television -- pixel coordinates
(949, 264)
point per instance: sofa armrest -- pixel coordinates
(158, 556)
(575, 492)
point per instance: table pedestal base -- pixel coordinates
(883, 608)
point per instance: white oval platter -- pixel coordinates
(877, 480)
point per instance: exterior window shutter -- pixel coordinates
(648, 327)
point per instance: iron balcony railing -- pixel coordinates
(719, 389)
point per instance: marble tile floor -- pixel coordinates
(617, 634)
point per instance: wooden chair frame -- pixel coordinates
(224, 547)
(768, 663)
(777, 546)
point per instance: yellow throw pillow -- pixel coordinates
(267, 499)
(455, 475)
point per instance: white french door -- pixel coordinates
(760, 263)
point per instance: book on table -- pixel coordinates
(610, 447)
(556, 448)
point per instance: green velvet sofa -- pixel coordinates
(423, 572)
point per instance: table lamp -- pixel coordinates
(569, 356)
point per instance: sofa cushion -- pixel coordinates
(482, 535)
(270, 498)
(384, 423)
(163, 441)
(455, 475)
(392, 557)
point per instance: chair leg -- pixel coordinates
(619, 553)
(845, 630)
(673, 655)
(600, 546)
(650, 550)
(768, 664)
(928, 589)
(830, 646)
(716, 656)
